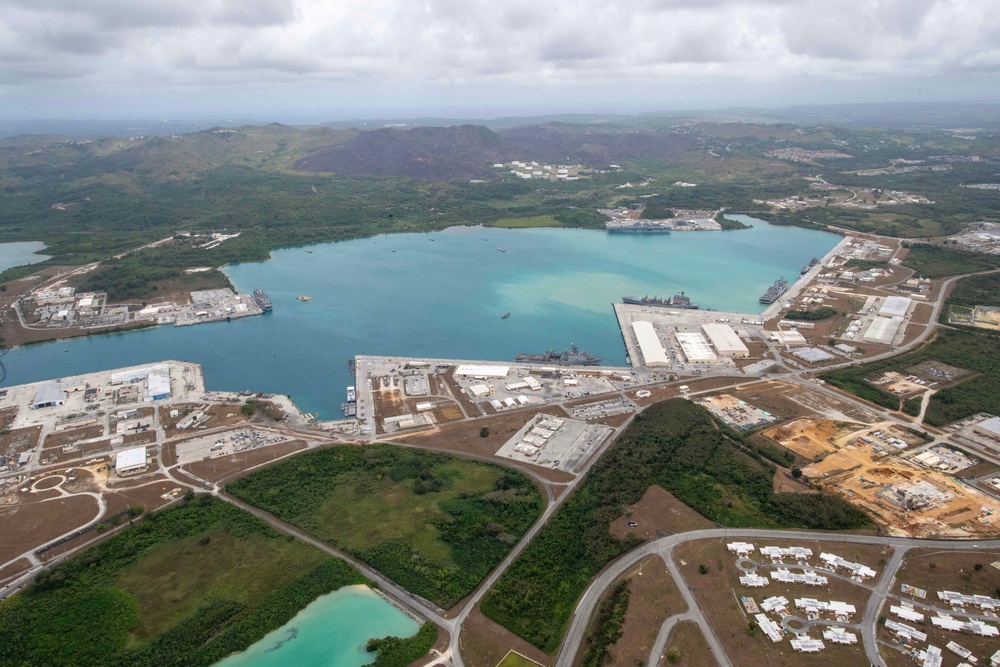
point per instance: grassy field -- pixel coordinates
(513, 659)
(188, 585)
(534, 221)
(434, 524)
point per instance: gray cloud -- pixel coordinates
(128, 47)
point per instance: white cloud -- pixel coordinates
(126, 45)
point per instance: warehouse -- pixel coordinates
(130, 461)
(989, 427)
(479, 371)
(895, 306)
(725, 340)
(695, 348)
(788, 338)
(883, 330)
(813, 355)
(48, 395)
(652, 350)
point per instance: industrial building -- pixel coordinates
(989, 428)
(48, 395)
(895, 306)
(725, 340)
(157, 381)
(788, 338)
(130, 461)
(883, 330)
(652, 350)
(813, 355)
(696, 348)
(482, 371)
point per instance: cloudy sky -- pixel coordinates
(297, 60)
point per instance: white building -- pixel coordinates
(775, 553)
(482, 371)
(895, 306)
(696, 348)
(754, 581)
(989, 427)
(725, 340)
(650, 346)
(788, 338)
(906, 613)
(130, 461)
(806, 645)
(769, 627)
(882, 330)
(740, 548)
(839, 636)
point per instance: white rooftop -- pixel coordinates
(130, 458)
(478, 370)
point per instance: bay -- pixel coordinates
(442, 295)
(20, 252)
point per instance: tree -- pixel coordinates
(703, 569)
(796, 472)
(247, 409)
(674, 655)
(484, 432)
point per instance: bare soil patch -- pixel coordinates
(784, 482)
(719, 590)
(70, 437)
(216, 469)
(484, 643)
(465, 436)
(691, 647)
(29, 525)
(148, 496)
(19, 440)
(935, 570)
(658, 510)
(14, 569)
(657, 394)
(654, 597)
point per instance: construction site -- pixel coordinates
(905, 498)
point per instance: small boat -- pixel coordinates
(501, 250)
(309, 251)
(305, 297)
(394, 251)
(505, 316)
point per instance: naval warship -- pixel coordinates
(679, 300)
(775, 291)
(261, 298)
(574, 356)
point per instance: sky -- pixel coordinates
(313, 60)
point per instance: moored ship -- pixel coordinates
(775, 291)
(638, 227)
(574, 356)
(679, 300)
(261, 298)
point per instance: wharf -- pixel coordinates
(804, 279)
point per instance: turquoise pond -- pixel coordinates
(441, 295)
(332, 631)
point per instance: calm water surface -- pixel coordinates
(442, 295)
(332, 631)
(16, 254)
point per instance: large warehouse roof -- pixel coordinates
(130, 458)
(695, 347)
(895, 306)
(991, 425)
(724, 339)
(883, 330)
(478, 371)
(652, 350)
(47, 395)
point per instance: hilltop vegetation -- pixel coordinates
(434, 524)
(676, 445)
(282, 186)
(186, 586)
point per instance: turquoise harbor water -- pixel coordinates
(21, 252)
(442, 295)
(332, 631)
